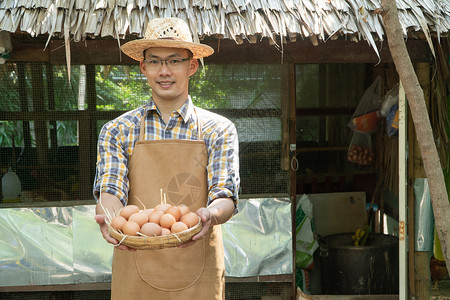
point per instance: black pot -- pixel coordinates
(359, 270)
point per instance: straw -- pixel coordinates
(143, 242)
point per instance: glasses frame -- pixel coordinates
(165, 61)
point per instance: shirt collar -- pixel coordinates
(185, 111)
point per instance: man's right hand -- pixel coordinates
(113, 205)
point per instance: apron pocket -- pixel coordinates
(172, 269)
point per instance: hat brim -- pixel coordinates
(135, 49)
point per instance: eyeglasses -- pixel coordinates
(171, 63)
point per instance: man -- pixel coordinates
(169, 145)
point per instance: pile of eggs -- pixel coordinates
(164, 219)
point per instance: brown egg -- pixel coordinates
(117, 222)
(155, 216)
(147, 211)
(167, 220)
(190, 219)
(178, 227)
(165, 231)
(140, 218)
(128, 210)
(183, 209)
(174, 211)
(162, 207)
(151, 229)
(131, 228)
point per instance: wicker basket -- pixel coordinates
(156, 242)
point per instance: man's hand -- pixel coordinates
(218, 212)
(113, 205)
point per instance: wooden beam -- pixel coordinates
(338, 51)
(107, 285)
(325, 111)
(109, 115)
(107, 51)
(28, 52)
(95, 52)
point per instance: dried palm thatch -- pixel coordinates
(230, 19)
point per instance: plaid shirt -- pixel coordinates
(118, 137)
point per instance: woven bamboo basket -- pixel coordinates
(156, 242)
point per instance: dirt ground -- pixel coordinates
(441, 290)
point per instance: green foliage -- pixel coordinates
(123, 87)
(8, 130)
(203, 84)
(120, 87)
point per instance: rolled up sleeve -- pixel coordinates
(112, 160)
(223, 164)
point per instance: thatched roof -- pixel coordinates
(229, 19)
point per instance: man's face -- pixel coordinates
(169, 82)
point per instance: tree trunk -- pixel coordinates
(414, 94)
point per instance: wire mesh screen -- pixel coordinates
(252, 97)
(49, 125)
(258, 290)
(233, 291)
(58, 295)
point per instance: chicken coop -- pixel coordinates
(290, 75)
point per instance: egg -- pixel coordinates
(128, 210)
(155, 216)
(174, 211)
(165, 231)
(117, 222)
(147, 211)
(151, 229)
(178, 227)
(131, 228)
(190, 219)
(167, 220)
(183, 209)
(162, 207)
(140, 218)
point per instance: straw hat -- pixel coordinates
(166, 33)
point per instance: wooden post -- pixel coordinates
(422, 258)
(285, 109)
(51, 105)
(40, 126)
(23, 103)
(86, 142)
(293, 173)
(411, 232)
(91, 93)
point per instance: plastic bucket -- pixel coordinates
(359, 270)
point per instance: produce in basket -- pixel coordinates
(360, 155)
(165, 226)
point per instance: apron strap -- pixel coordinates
(199, 127)
(142, 129)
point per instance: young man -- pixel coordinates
(172, 146)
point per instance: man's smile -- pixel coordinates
(165, 83)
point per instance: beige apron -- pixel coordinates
(178, 167)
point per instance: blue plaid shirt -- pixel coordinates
(118, 137)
